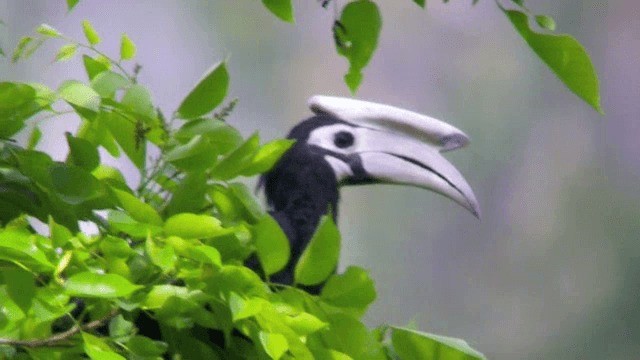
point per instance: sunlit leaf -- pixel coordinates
(305, 323)
(66, 52)
(242, 309)
(71, 4)
(196, 155)
(97, 348)
(90, 33)
(163, 256)
(267, 156)
(18, 246)
(207, 94)
(106, 83)
(90, 284)
(233, 164)
(412, 344)
(80, 95)
(224, 137)
(564, 55)
(47, 30)
(93, 67)
(138, 210)
(272, 245)
(283, 9)
(274, 344)
(127, 48)
(159, 294)
(320, 257)
(138, 100)
(546, 22)
(192, 226)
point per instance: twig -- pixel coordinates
(60, 337)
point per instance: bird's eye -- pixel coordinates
(343, 139)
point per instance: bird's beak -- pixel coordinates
(399, 146)
(397, 159)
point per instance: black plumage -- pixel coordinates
(300, 189)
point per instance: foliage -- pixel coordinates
(357, 29)
(164, 275)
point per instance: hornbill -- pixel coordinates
(351, 142)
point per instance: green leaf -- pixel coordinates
(518, 2)
(352, 337)
(162, 256)
(26, 47)
(412, 344)
(124, 131)
(546, 22)
(138, 210)
(127, 48)
(92, 285)
(18, 247)
(71, 4)
(207, 94)
(224, 137)
(34, 138)
(358, 40)
(90, 33)
(192, 226)
(248, 201)
(47, 30)
(97, 348)
(20, 285)
(106, 83)
(93, 67)
(242, 309)
(233, 164)
(272, 245)
(274, 344)
(159, 294)
(121, 221)
(353, 289)
(112, 246)
(420, 3)
(75, 185)
(189, 196)
(145, 348)
(82, 153)
(15, 95)
(79, 95)
(138, 100)
(283, 9)
(197, 155)
(564, 55)
(320, 258)
(66, 52)
(204, 254)
(304, 323)
(267, 156)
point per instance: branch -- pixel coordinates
(60, 337)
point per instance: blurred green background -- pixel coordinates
(552, 271)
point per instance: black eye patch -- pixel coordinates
(343, 139)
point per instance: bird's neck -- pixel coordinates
(301, 189)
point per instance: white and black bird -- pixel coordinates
(352, 142)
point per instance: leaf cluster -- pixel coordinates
(165, 274)
(357, 29)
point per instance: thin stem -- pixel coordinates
(60, 337)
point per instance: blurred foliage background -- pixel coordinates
(551, 271)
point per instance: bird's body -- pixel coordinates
(351, 142)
